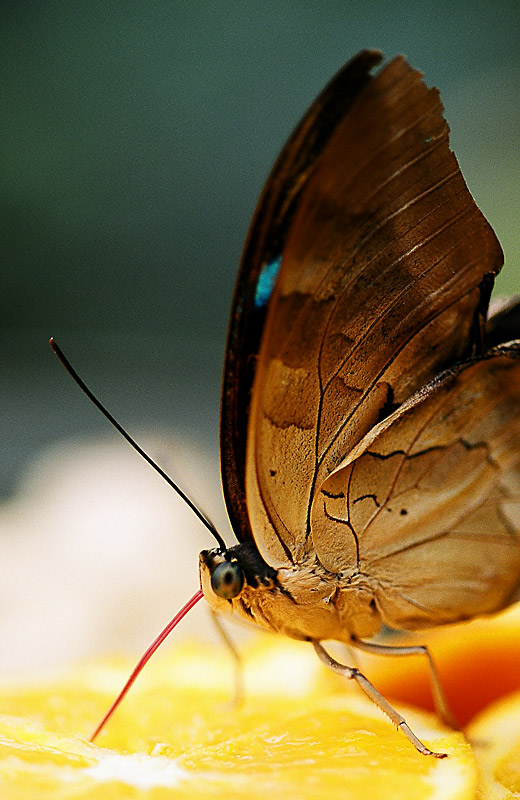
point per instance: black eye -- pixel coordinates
(227, 580)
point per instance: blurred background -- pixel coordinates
(136, 138)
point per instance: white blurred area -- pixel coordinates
(98, 552)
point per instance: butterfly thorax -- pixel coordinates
(303, 601)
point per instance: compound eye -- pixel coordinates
(227, 579)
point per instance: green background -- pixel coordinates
(136, 137)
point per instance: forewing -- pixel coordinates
(384, 278)
(427, 506)
(257, 273)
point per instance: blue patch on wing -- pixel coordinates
(266, 281)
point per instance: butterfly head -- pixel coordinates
(231, 577)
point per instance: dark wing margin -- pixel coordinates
(264, 244)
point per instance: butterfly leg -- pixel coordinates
(440, 701)
(238, 694)
(350, 654)
(354, 674)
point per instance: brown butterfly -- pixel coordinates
(370, 434)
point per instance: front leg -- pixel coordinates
(238, 694)
(440, 701)
(354, 674)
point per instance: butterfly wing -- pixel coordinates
(427, 506)
(382, 264)
(257, 273)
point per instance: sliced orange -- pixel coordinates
(176, 736)
(496, 740)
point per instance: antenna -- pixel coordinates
(82, 385)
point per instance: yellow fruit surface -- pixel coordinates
(297, 735)
(495, 735)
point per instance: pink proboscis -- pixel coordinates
(145, 658)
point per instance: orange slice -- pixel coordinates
(496, 739)
(175, 736)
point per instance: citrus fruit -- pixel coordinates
(495, 735)
(176, 735)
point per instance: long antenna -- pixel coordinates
(70, 369)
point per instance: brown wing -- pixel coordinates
(383, 282)
(265, 242)
(427, 506)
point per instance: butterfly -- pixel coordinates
(370, 434)
(370, 419)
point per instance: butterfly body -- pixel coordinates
(304, 601)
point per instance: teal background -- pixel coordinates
(136, 137)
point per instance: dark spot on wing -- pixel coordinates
(333, 496)
(367, 497)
